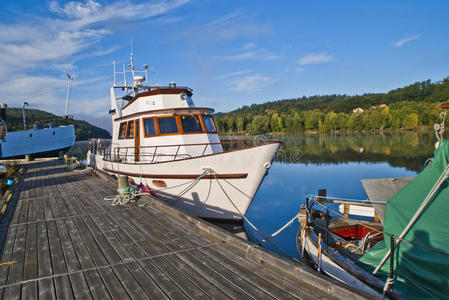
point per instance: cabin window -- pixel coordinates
(167, 125)
(148, 125)
(122, 131)
(130, 130)
(191, 123)
(209, 123)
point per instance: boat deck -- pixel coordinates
(61, 240)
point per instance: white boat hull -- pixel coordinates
(330, 267)
(224, 194)
(37, 141)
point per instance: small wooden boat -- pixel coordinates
(334, 245)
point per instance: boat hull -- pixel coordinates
(218, 186)
(37, 142)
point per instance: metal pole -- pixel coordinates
(391, 263)
(23, 113)
(69, 79)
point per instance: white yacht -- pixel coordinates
(162, 141)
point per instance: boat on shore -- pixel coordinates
(399, 254)
(44, 139)
(162, 141)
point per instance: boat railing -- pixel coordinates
(159, 153)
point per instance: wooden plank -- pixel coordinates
(187, 286)
(80, 248)
(194, 276)
(12, 292)
(43, 253)
(251, 277)
(79, 286)
(241, 282)
(47, 208)
(17, 212)
(149, 246)
(94, 249)
(288, 283)
(71, 259)
(121, 243)
(40, 215)
(131, 285)
(30, 267)
(16, 270)
(162, 280)
(227, 287)
(96, 285)
(100, 249)
(57, 255)
(46, 289)
(145, 281)
(113, 284)
(24, 212)
(7, 253)
(143, 231)
(63, 288)
(55, 207)
(29, 290)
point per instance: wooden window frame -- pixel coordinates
(178, 125)
(134, 130)
(156, 127)
(119, 130)
(213, 124)
(201, 122)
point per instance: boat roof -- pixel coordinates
(165, 111)
(159, 90)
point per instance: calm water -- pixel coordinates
(306, 163)
(333, 162)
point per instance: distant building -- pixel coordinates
(357, 110)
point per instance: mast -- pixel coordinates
(69, 80)
(23, 113)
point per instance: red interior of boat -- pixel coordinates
(353, 232)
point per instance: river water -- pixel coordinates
(337, 163)
(306, 163)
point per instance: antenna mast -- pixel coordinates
(69, 80)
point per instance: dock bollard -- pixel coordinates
(123, 183)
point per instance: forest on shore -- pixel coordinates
(412, 107)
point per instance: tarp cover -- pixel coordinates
(419, 272)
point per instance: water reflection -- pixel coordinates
(406, 149)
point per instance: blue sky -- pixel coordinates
(231, 53)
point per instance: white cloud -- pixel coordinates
(314, 58)
(250, 51)
(253, 83)
(235, 73)
(401, 43)
(43, 45)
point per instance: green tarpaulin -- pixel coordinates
(419, 272)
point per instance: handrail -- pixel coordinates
(121, 153)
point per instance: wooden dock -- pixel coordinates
(61, 240)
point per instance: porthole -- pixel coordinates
(183, 96)
(159, 183)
